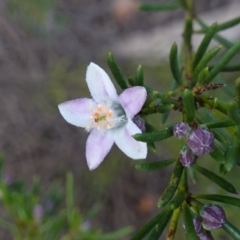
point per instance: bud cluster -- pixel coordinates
(212, 217)
(199, 142)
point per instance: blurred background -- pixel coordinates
(45, 47)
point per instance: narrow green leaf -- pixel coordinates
(221, 123)
(215, 178)
(228, 24)
(160, 226)
(218, 155)
(204, 44)
(158, 7)
(131, 81)
(233, 112)
(184, 4)
(226, 43)
(175, 203)
(187, 217)
(172, 185)
(202, 76)
(223, 61)
(188, 31)
(237, 93)
(116, 71)
(229, 68)
(173, 224)
(154, 136)
(155, 165)
(173, 57)
(232, 156)
(231, 230)
(150, 225)
(139, 76)
(178, 199)
(189, 105)
(151, 147)
(203, 63)
(219, 198)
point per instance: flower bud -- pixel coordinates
(205, 236)
(201, 141)
(38, 212)
(181, 129)
(213, 216)
(186, 157)
(140, 123)
(197, 225)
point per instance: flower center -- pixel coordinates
(107, 116)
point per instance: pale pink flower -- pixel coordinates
(108, 117)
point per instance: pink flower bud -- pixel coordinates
(201, 141)
(140, 123)
(181, 129)
(38, 212)
(186, 157)
(197, 225)
(213, 216)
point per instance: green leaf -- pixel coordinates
(218, 155)
(231, 230)
(158, 229)
(188, 31)
(228, 24)
(215, 178)
(155, 165)
(202, 76)
(223, 61)
(139, 76)
(151, 147)
(226, 43)
(175, 203)
(229, 68)
(154, 136)
(172, 185)
(233, 112)
(219, 198)
(203, 63)
(189, 105)
(116, 71)
(173, 224)
(221, 123)
(232, 156)
(149, 226)
(187, 217)
(237, 97)
(204, 44)
(173, 57)
(184, 4)
(158, 7)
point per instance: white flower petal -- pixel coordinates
(77, 112)
(124, 140)
(132, 100)
(98, 145)
(100, 85)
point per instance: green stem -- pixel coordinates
(231, 230)
(212, 103)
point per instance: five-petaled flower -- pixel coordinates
(108, 117)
